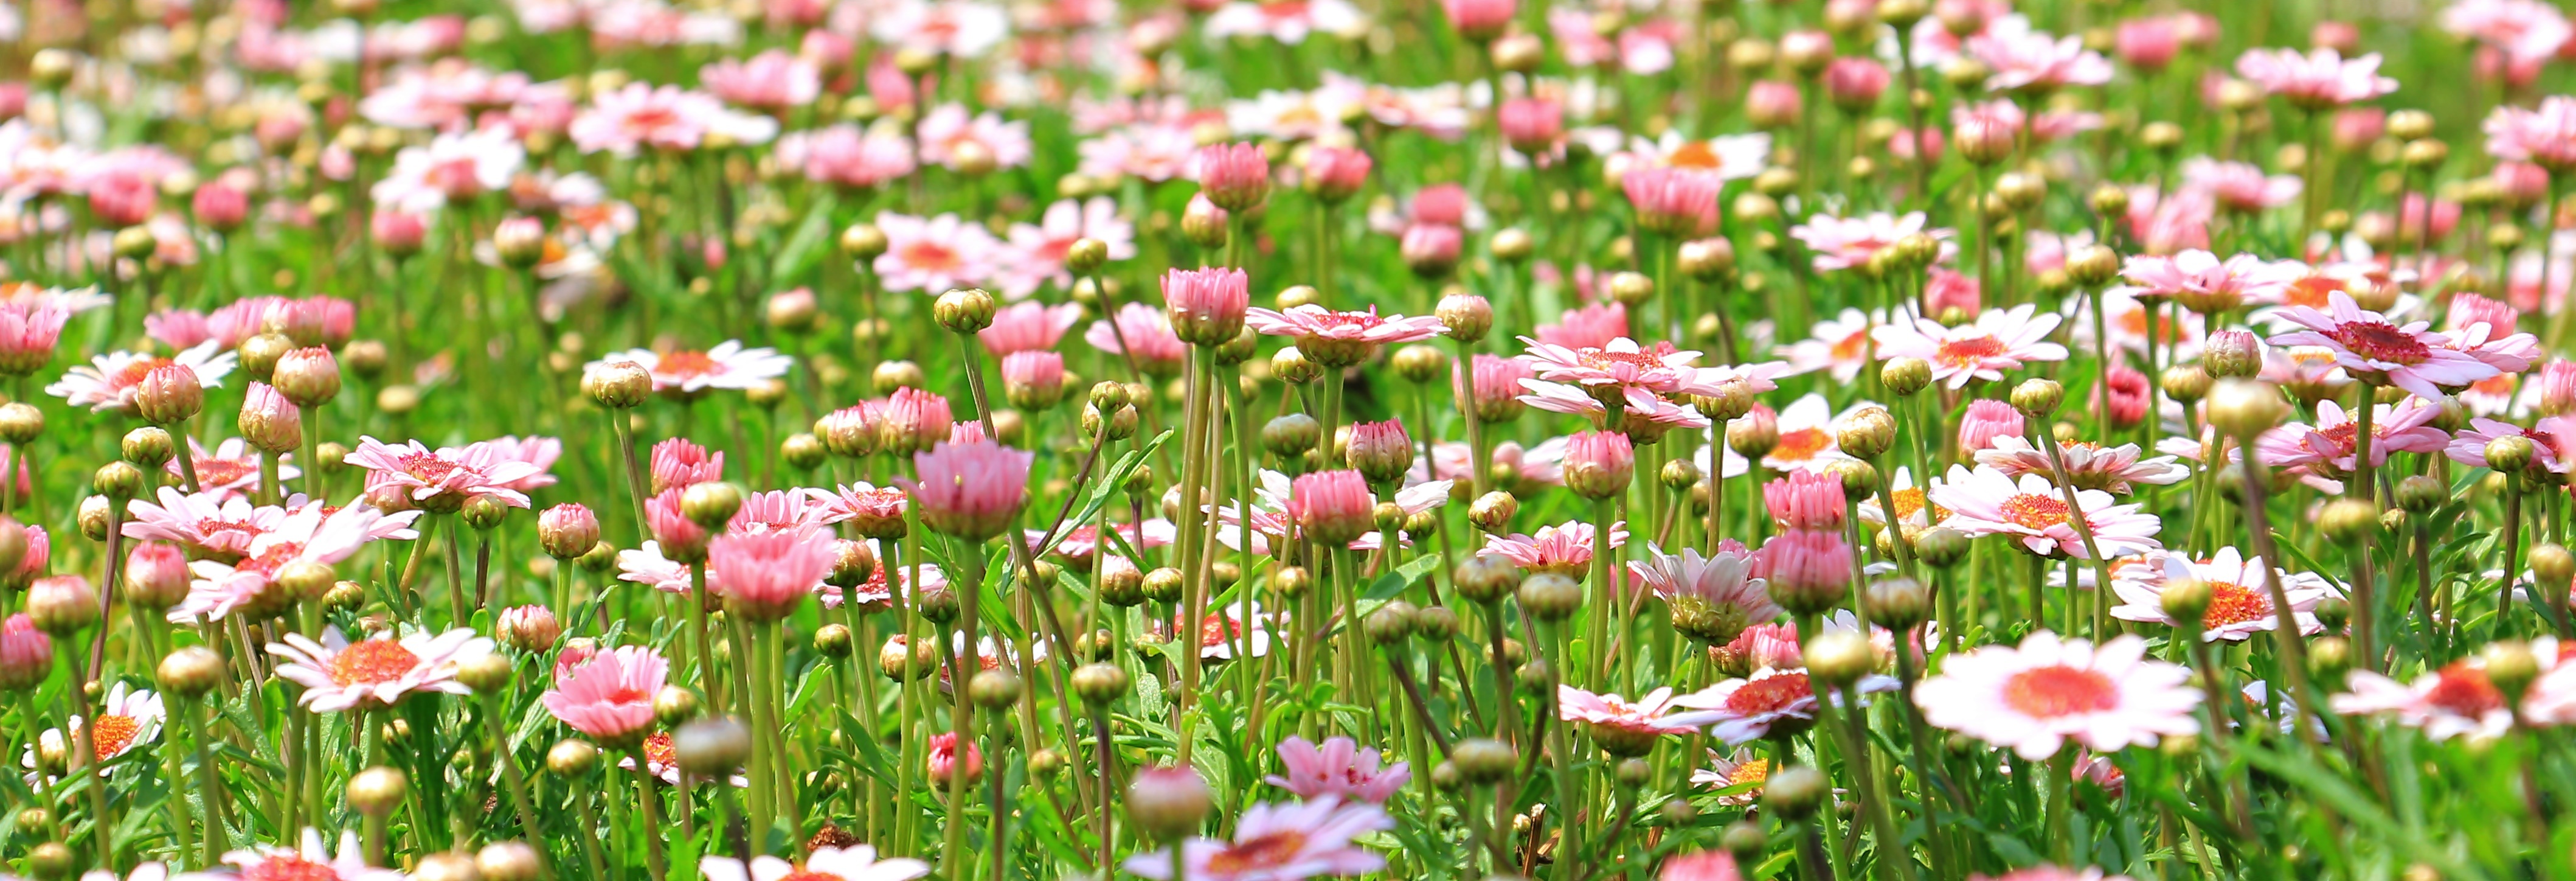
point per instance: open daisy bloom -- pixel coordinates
(375, 673)
(1998, 341)
(1629, 728)
(110, 382)
(857, 863)
(2460, 699)
(2035, 513)
(2374, 348)
(2088, 465)
(130, 718)
(1338, 768)
(2240, 601)
(2047, 691)
(1278, 841)
(689, 372)
(309, 861)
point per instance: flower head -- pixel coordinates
(337, 674)
(609, 697)
(2035, 697)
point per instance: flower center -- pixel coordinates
(275, 558)
(686, 364)
(2035, 511)
(1770, 694)
(2052, 692)
(1695, 154)
(1266, 852)
(2381, 341)
(931, 256)
(221, 472)
(1600, 359)
(658, 749)
(2234, 604)
(2466, 691)
(1969, 351)
(1752, 771)
(290, 868)
(372, 662)
(133, 373)
(809, 874)
(1852, 346)
(427, 467)
(112, 734)
(1801, 444)
(2312, 291)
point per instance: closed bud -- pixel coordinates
(964, 311)
(1164, 584)
(2510, 454)
(711, 747)
(2092, 265)
(1838, 658)
(485, 674)
(2245, 408)
(1100, 683)
(1678, 474)
(1631, 289)
(508, 861)
(1796, 792)
(1168, 802)
(1483, 761)
(2553, 565)
(1897, 603)
(2110, 200)
(377, 791)
(169, 394)
(1391, 623)
(2510, 665)
(62, 605)
(863, 241)
(2330, 658)
(190, 671)
(308, 377)
(1086, 255)
(2232, 354)
(2348, 520)
(1941, 547)
(1868, 434)
(1292, 581)
(118, 480)
(1493, 512)
(2185, 600)
(1904, 376)
(1291, 436)
(2186, 383)
(619, 385)
(147, 447)
(2038, 398)
(710, 504)
(1548, 596)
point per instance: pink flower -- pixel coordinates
(1277, 841)
(1619, 364)
(450, 473)
(1339, 768)
(944, 759)
(1944, 290)
(2034, 512)
(2240, 601)
(29, 332)
(1495, 387)
(216, 522)
(2199, 282)
(2543, 136)
(2147, 43)
(2239, 186)
(1586, 327)
(1041, 248)
(767, 575)
(1144, 335)
(2022, 58)
(844, 156)
(1206, 306)
(2526, 31)
(2088, 465)
(1987, 421)
(1844, 243)
(1564, 549)
(1854, 83)
(2458, 699)
(111, 381)
(1712, 598)
(1805, 563)
(2327, 451)
(1335, 174)
(1997, 342)
(26, 654)
(1480, 20)
(1740, 711)
(2367, 345)
(1028, 327)
(933, 255)
(1531, 125)
(312, 860)
(972, 490)
(2553, 442)
(1625, 727)
(678, 464)
(311, 533)
(337, 674)
(1806, 500)
(687, 371)
(1672, 201)
(1705, 865)
(1341, 338)
(1333, 507)
(2036, 697)
(666, 118)
(1234, 176)
(610, 696)
(771, 81)
(950, 138)
(2320, 79)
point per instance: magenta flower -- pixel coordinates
(2370, 347)
(679, 464)
(1028, 327)
(1564, 549)
(2025, 59)
(1337, 768)
(766, 575)
(610, 696)
(1206, 306)
(448, 473)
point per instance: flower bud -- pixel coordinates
(528, 628)
(62, 605)
(259, 354)
(2553, 566)
(190, 672)
(1483, 761)
(568, 530)
(964, 310)
(1204, 224)
(148, 447)
(1869, 433)
(508, 861)
(571, 758)
(308, 377)
(2348, 520)
(2037, 398)
(2244, 408)
(1493, 512)
(710, 747)
(1086, 255)
(618, 385)
(2186, 383)
(1468, 317)
(710, 504)
(2232, 354)
(117, 480)
(2511, 666)
(1903, 376)
(2422, 493)
(863, 241)
(1897, 603)
(1168, 802)
(2185, 601)
(2510, 454)
(377, 791)
(1548, 596)
(2092, 265)
(519, 241)
(1631, 289)
(1795, 792)
(1838, 658)
(1099, 683)
(169, 394)
(1291, 436)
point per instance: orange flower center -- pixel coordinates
(428, 467)
(809, 875)
(1770, 694)
(290, 868)
(133, 373)
(372, 662)
(930, 255)
(2051, 692)
(1851, 347)
(658, 749)
(1269, 851)
(1800, 445)
(1599, 359)
(1969, 351)
(2234, 604)
(1752, 771)
(112, 735)
(1695, 154)
(221, 472)
(2465, 691)
(2035, 511)
(686, 363)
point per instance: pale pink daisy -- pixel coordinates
(2456, 700)
(1144, 335)
(664, 118)
(2528, 32)
(1583, 327)
(2199, 281)
(337, 674)
(956, 28)
(647, 566)
(2544, 136)
(2327, 451)
(310, 861)
(2034, 512)
(1038, 250)
(1565, 549)
(128, 718)
(2239, 186)
(1286, 22)
(1340, 767)
(231, 469)
(935, 254)
(1078, 545)
(1320, 331)
(2319, 79)
(313, 533)
(110, 381)
(1712, 598)
(729, 365)
(2240, 601)
(845, 156)
(1642, 411)
(1277, 841)
(2369, 345)
(1999, 340)
(854, 863)
(1622, 363)
(610, 697)
(2553, 442)
(1028, 327)
(211, 521)
(1807, 438)
(1630, 727)
(772, 81)
(457, 473)
(2022, 58)
(1737, 775)
(1847, 242)
(2035, 697)
(949, 129)
(2088, 465)
(1740, 711)
(1839, 345)
(450, 168)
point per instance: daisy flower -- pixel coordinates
(2456, 700)
(1278, 841)
(855, 863)
(2088, 465)
(209, 522)
(1339, 768)
(1039, 249)
(1807, 439)
(1565, 549)
(1341, 337)
(337, 674)
(310, 861)
(727, 366)
(1144, 335)
(1240, 629)
(662, 760)
(451, 167)
(110, 381)
(313, 533)
(2319, 79)
(2240, 603)
(2328, 451)
(956, 28)
(1838, 345)
(772, 81)
(1712, 598)
(2033, 511)
(1642, 413)
(640, 115)
(230, 470)
(2035, 697)
(949, 129)
(1847, 242)
(933, 255)
(448, 473)
(1078, 545)
(2022, 58)
(129, 718)
(1740, 711)
(1625, 727)
(1622, 363)
(1288, 23)
(2239, 186)
(2000, 340)
(1739, 776)
(2551, 438)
